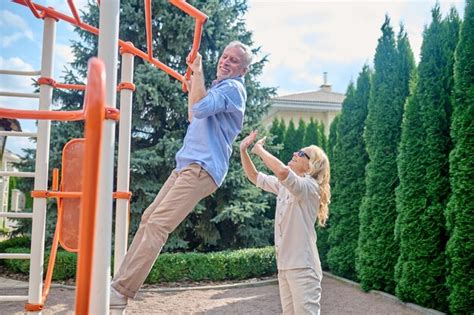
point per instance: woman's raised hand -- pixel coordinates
(259, 145)
(244, 144)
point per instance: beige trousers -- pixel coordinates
(177, 198)
(300, 291)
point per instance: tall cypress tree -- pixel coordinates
(331, 142)
(276, 131)
(323, 138)
(323, 232)
(291, 139)
(277, 136)
(311, 135)
(349, 161)
(460, 211)
(423, 169)
(300, 132)
(377, 250)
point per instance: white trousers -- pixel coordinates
(300, 291)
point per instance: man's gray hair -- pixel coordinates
(248, 56)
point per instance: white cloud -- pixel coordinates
(15, 83)
(64, 53)
(17, 144)
(305, 38)
(11, 21)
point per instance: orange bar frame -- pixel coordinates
(200, 18)
(94, 114)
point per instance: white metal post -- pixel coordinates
(108, 51)
(41, 167)
(123, 162)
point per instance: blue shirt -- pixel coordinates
(217, 120)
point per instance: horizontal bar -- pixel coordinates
(130, 48)
(80, 87)
(18, 134)
(14, 94)
(13, 298)
(18, 215)
(64, 194)
(18, 174)
(71, 115)
(25, 73)
(14, 256)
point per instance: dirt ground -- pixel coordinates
(337, 298)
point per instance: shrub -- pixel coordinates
(65, 266)
(225, 265)
(21, 241)
(18, 265)
(240, 264)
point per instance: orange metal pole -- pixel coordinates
(34, 10)
(72, 115)
(60, 16)
(55, 185)
(189, 9)
(70, 86)
(201, 18)
(74, 11)
(195, 49)
(149, 42)
(52, 259)
(95, 115)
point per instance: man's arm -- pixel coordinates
(196, 88)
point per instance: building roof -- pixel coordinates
(323, 99)
(10, 156)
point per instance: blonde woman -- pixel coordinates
(303, 195)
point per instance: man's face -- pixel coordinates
(231, 63)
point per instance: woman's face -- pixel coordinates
(299, 163)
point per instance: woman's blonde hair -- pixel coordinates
(319, 169)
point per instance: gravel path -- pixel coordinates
(338, 298)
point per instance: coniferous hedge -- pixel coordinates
(423, 170)
(350, 159)
(323, 232)
(460, 212)
(290, 143)
(312, 135)
(377, 250)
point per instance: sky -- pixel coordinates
(302, 39)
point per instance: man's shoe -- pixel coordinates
(117, 300)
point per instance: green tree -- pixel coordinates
(323, 232)
(323, 138)
(460, 216)
(300, 132)
(423, 169)
(290, 143)
(349, 162)
(377, 250)
(234, 216)
(311, 135)
(277, 131)
(331, 142)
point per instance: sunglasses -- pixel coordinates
(301, 153)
